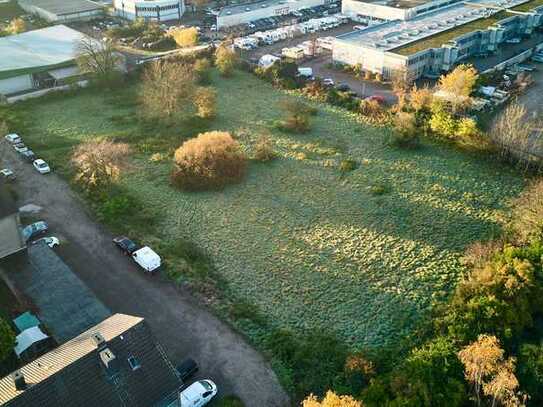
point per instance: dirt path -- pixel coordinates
(182, 325)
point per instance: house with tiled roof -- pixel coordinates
(115, 363)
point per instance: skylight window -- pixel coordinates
(134, 363)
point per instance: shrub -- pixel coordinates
(379, 189)
(225, 60)
(297, 116)
(371, 107)
(185, 37)
(442, 122)
(467, 128)
(210, 160)
(347, 165)
(202, 71)
(316, 360)
(264, 149)
(368, 76)
(7, 339)
(406, 131)
(205, 100)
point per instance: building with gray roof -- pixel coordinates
(118, 362)
(60, 11)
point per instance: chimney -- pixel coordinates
(108, 358)
(19, 380)
(98, 340)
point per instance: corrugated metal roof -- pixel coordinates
(66, 354)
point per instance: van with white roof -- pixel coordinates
(147, 259)
(198, 394)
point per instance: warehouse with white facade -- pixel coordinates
(151, 10)
(245, 13)
(59, 11)
(436, 41)
(38, 59)
(388, 10)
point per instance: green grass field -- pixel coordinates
(310, 247)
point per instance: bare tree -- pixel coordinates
(527, 214)
(512, 133)
(168, 89)
(98, 59)
(100, 162)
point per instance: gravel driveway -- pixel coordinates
(176, 318)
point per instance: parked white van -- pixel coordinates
(147, 259)
(198, 394)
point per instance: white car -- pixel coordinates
(41, 166)
(198, 394)
(328, 82)
(50, 241)
(20, 148)
(7, 174)
(13, 138)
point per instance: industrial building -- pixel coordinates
(388, 10)
(58, 11)
(151, 10)
(38, 59)
(436, 41)
(245, 13)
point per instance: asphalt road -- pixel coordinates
(177, 319)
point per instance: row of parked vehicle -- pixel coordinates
(538, 57)
(295, 17)
(261, 38)
(30, 232)
(28, 155)
(197, 394)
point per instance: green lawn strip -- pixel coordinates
(310, 248)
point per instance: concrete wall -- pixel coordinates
(369, 59)
(15, 84)
(158, 10)
(258, 12)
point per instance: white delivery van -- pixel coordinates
(147, 259)
(198, 394)
(305, 72)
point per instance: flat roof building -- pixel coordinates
(245, 13)
(151, 10)
(37, 57)
(62, 11)
(436, 41)
(388, 10)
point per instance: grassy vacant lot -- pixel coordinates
(364, 254)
